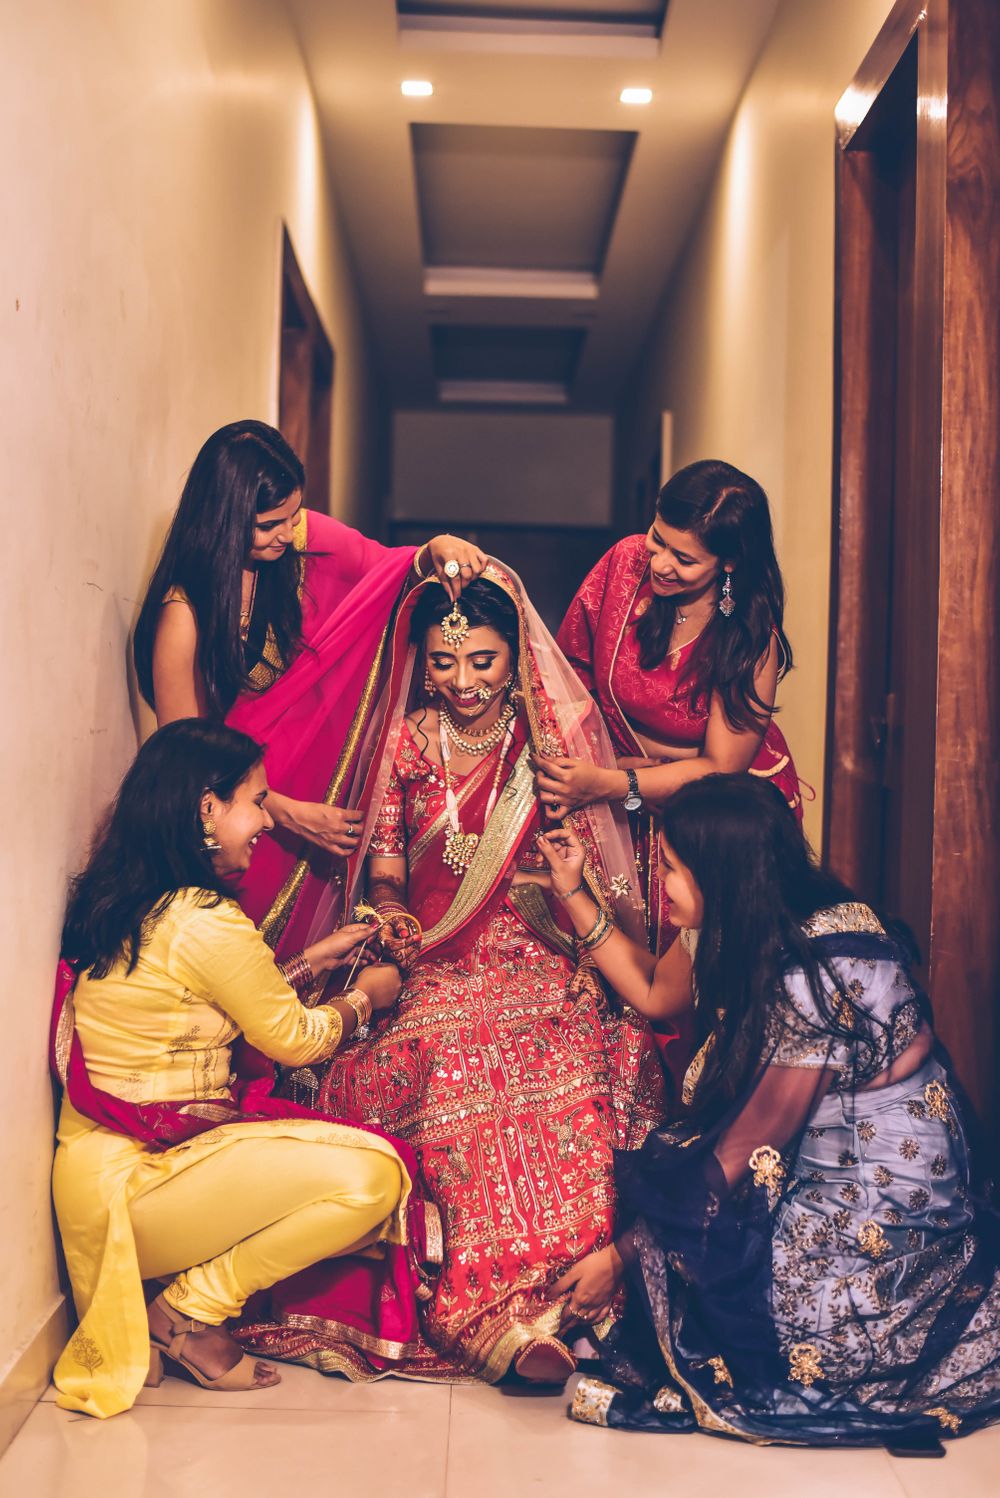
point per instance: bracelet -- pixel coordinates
(601, 929)
(568, 894)
(400, 913)
(297, 973)
(416, 563)
(358, 1000)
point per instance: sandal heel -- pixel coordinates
(154, 1377)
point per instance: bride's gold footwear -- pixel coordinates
(545, 1360)
(242, 1376)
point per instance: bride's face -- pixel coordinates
(470, 677)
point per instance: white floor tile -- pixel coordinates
(971, 1469)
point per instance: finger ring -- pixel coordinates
(464, 565)
(451, 568)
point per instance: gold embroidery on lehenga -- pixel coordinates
(936, 1099)
(668, 1401)
(765, 1162)
(804, 1365)
(721, 1372)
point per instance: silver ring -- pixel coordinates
(464, 565)
(451, 569)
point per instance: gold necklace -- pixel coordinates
(460, 847)
(482, 742)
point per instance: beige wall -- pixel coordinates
(152, 148)
(742, 351)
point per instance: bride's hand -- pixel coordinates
(334, 828)
(565, 784)
(400, 938)
(592, 1285)
(471, 561)
(563, 852)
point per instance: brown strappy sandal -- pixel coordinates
(242, 1376)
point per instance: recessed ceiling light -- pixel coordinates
(416, 88)
(636, 96)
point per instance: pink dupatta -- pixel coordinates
(312, 718)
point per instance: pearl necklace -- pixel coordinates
(476, 743)
(460, 847)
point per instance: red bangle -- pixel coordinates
(297, 973)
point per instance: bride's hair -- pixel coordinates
(243, 470)
(728, 512)
(483, 604)
(152, 843)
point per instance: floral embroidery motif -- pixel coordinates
(620, 887)
(915, 1108)
(850, 1192)
(841, 1218)
(893, 1216)
(765, 1162)
(883, 1176)
(847, 1158)
(85, 1351)
(866, 1131)
(945, 1418)
(913, 1239)
(804, 1365)
(668, 1401)
(592, 1401)
(919, 1199)
(909, 1148)
(872, 1240)
(939, 1165)
(937, 1102)
(722, 1373)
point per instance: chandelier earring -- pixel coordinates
(209, 840)
(727, 603)
(430, 690)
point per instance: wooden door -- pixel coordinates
(305, 384)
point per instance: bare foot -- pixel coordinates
(212, 1351)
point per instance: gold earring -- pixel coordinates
(209, 840)
(429, 688)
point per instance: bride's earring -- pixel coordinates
(727, 603)
(210, 842)
(429, 688)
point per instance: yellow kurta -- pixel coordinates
(163, 1033)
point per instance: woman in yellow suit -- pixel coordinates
(160, 1172)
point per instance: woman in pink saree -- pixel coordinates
(274, 618)
(506, 1067)
(678, 635)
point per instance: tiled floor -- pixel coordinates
(317, 1435)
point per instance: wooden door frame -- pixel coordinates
(955, 462)
(303, 342)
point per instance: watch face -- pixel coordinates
(632, 802)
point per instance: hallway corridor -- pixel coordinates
(401, 1440)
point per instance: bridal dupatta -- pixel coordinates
(311, 717)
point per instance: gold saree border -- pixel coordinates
(340, 1331)
(531, 905)
(472, 782)
(504, 826)
(272, 927)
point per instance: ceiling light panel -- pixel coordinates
(636, 95)
(518, 198)
(416, 88)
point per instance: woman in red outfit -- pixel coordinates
(678, 635)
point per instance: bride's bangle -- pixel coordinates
(416, 562)
(569, 893)
(358, 1000)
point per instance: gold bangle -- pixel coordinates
(358, 1000)
(297, 973)
(416, 562)
(601, 928)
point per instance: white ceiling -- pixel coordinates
(522, 195)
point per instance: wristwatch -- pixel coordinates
(633, 801)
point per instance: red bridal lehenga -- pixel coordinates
(511, 1074)
(599, 639)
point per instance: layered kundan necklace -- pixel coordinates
(459, 846)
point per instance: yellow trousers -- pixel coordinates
(256, 1214)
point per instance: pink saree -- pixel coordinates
(311, 717)
(598, 637)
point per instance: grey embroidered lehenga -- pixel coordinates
(814, 1269)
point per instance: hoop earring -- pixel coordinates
(727, 604)
(209, 841)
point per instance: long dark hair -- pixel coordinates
(760, 882)
(152, 842)
(244, 469)
(728, 512)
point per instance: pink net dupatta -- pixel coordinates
(312, 719)
(368, 1304)
(561, 718)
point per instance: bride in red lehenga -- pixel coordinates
(504, 1064)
